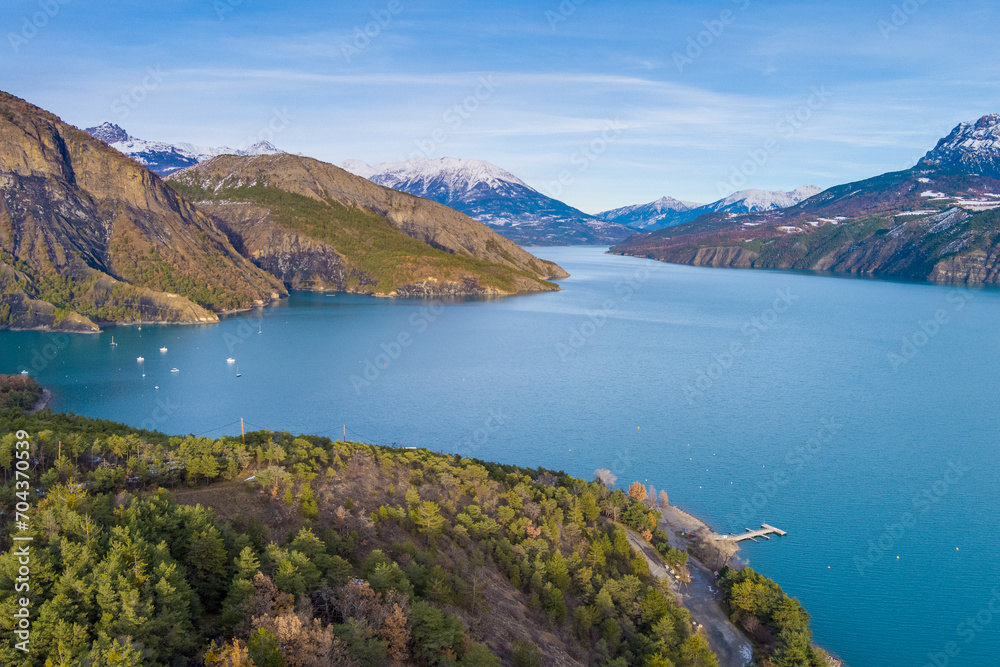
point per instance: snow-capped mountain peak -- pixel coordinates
(164, 158)
(663, 212)
(493, 196)
(754, 201)
(973, 147)
(454, 174)
(667, 211)
(202, 153)
(109, 133)
(358, 168)
(260, 148)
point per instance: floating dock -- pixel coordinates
(765, 531)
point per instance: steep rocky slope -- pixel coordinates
(316, 226)
(88, 235)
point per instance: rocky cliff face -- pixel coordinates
(88, 235)
(316, 226)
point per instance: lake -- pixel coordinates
(858, 415)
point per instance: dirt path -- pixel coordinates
(701, 597)
(701, 542)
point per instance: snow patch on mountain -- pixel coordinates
(493, 196)
(667, 211)
(453, 174)
(164, 158)
(755, 201)
(972, 147)
(663, 212)
(359, 168)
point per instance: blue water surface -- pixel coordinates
(858, 415)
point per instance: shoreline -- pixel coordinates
(490, 294)
(42, 402)
(702, 542)
(710, 553)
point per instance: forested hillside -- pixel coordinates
(284, 550)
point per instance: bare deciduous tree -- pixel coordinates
(605, 476)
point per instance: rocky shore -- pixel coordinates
(707, 554)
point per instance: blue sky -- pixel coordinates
(603, 104)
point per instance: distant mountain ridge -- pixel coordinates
(937, 221)
(667, 211)
(756, 201)
(663, 212)
(163, 158)
(495, 197)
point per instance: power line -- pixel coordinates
(217, 428)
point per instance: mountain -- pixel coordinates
(663, 212)
(87, 236)
(317, 226)
(938, 221)
(667, 211)
(970, 147)
(164, 158)
(494, 197)
(754, 201)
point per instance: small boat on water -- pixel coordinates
(238, 374)
(175, 370)
(113, 343)
(140, 359)
(163, 349)
(230, 360)
(24, 372)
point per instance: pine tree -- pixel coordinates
(247, 564)
(206, 564)
(427, 517)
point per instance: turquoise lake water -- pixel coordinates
(749, 396)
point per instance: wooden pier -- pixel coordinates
(765, 531)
